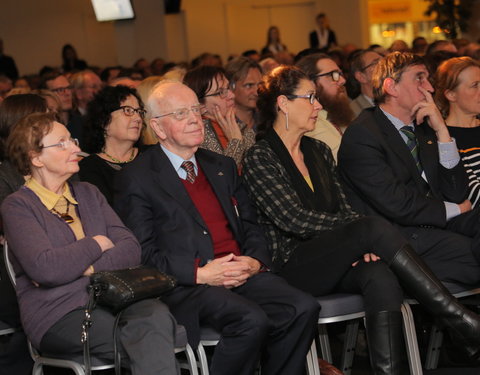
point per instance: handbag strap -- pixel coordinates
(87, 323)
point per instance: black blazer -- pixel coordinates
(313, 38)
(152, 201)
(380, 175)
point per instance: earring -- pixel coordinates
(286, 118)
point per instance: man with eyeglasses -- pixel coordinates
(336, 114)
(194, 220)
(60, 85)
(362, 64)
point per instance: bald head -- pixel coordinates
(175, 118)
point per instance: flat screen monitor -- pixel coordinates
(111, 10)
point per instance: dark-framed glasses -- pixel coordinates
(182, 113)
(311, 97)
(334, 75)
(222, 93)
(130, 111)
(65, 144)
(62, 90)
(373, 63)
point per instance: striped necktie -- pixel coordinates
(412, 145)
(190, 169)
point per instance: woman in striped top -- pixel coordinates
(458, 97)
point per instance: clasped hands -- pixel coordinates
(229, 271)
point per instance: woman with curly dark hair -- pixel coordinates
(114, 125)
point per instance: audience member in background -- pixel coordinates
(433, 60)
(223, 133)
(5, 86)
(441, 45)
(319, 244)
(143, 66)
(268, 64)
(461, 45)
(378, 49)
(322, 37)
(17, 90)
(330, 91)
(419, 45)
(110, 73)
(156, 66)
(244, 76)
(53, 103)
(205, 58)
(85, 85)
(12, 110)
(7, 64)
(399, 45)
(73, 232)
(114, 124)
(22, 82)
(362, 65)
(70, 60)
(457, 95)
(144, 90)
(274, 44)
(251, 54)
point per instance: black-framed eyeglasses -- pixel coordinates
(130, 111)
(182, 113)
(222, 93)
(311, 97)
(62, 90)
(334, 75)
(373, 63)
(65, 144)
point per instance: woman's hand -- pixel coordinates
(104, 242)
(368, 257)
(228, 123)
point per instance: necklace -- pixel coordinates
(65, 216)
(115, 160)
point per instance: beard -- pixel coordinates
(337, 107)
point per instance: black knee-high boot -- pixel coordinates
(420, 282)
(385, 343)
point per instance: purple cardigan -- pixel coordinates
(43, 248)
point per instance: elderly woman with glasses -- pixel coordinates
(59, 233)
(114, 126)
(224, 133)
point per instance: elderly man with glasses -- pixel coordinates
(330, 85)
(193, 218)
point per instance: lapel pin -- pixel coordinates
(430, 142)
(220, 173)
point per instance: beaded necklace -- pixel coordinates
(65, 216)
(115, 160)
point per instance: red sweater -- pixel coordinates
(212, 214)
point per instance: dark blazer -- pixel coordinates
(380, 175)
(154, 204)
(314, 43)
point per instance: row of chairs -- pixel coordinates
(335, 308)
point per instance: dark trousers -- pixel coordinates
(265, 315)
(146, 333)
(453, 253)
(324, 264)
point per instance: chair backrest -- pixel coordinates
(8, 264)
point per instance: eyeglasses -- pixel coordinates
(222, 93)
(65, 144)
(334, 74)
(311, 97)
(62, 90)
(373, 63)
(182, 113)
(130, 111)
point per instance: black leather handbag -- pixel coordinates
(116, 290)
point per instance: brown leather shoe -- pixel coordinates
(328, 369)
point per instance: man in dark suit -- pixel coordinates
(398, 160)
(194, 221)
